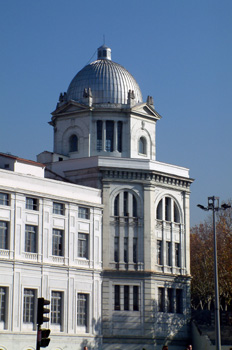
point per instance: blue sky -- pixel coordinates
(179, 51)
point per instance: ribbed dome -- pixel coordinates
(108, 81)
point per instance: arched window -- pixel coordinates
(73, 143)
(171, 211)
(142, 145)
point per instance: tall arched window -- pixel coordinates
(142, 145)
(125, 230)
(73, 143)
(168, 249)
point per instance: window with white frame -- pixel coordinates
(4, 199)
(29, 299)
(161, 300)
(56, 307)
(170, 300)
(4, 234)
(30, 239)
(57, 242)
(31, 203)
(83, 213)
(83, 245)
(168, 253)
(58, 208)
(116, 249)
(177, 254)
(82, 309)
(3, 302)
(159, 252)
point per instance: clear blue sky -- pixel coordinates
(179, 51)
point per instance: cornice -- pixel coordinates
(148, 177)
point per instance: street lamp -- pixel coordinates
(213, 204)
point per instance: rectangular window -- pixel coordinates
(56, 308)
(3, 304)
(167, 209)
(83, 213)
(119, 136)
(135, 298)
(126, 249)
(4, 199)
(126, 297)
(179, 301)
(3, 235)
(58, 208)
(109, 136)
(161, 304)
(83, 245)
(168, 253)
(30, 239)
(135, 244)
(99, 135)
(170, 305)
(177, 254)
(159, 253)
(31, 203)
(57, 242)
(29, 306)
(82, 309)
(116, 249)
(117, 297)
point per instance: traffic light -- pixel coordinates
(42, 310)
(42, 334)
(44, 342)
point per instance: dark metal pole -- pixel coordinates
(217, 305)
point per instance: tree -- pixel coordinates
(202, 262)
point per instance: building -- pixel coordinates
(105, 138)
(50, 240)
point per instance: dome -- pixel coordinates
(109, 82)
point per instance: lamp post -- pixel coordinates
(213, 204)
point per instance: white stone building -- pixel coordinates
(105, 138)
(50, 236)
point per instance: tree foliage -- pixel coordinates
(202, 261)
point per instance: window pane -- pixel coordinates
(116, 249)
(56, 304)
(179, 301)
(29, 306)
(57, 242)
(168, 253)
(4, 199)
(82, 309)
(99, 135)
(142, 145)
(159, 253)
(116, 297)
(135, 298)
(83, 246)
(170, 301)
(58, 208)
(3, 235)
(126, 249)
(161, 299)
(83, 213)
(119, 136)
(30, 239)
(2, 304)
(109, 135)
(135, 241)
(126, 297)
(31, 203)
(177, 254)
(73, 143)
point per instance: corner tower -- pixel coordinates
(105, 137)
